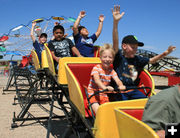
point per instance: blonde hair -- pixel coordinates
(107, 47)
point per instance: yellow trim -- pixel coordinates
(97, 52)
(38, 20)
(35, 60)
(62, 79)
(75, 93)
(130, 127)
(44, 60)
(105, 125)
(58, 18)
(153, 85)
(50, 60)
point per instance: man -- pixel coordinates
(163, 108)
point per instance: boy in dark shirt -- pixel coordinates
(61, 46)
(127, 57)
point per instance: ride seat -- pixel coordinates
(137, 113)
(81, 74)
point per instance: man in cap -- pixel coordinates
(127, 57)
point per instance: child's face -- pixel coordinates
(106, 59)
(42, 40)
(129, 50)
(84, 32)
(58, 34)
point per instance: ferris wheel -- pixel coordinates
(18, 40)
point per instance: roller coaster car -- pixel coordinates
(108, 121)
(77, 75)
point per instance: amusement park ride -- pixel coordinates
(18, 38)
(40, 84)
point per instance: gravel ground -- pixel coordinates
(34, 129)
(29, 129)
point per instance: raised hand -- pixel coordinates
(56, 23)
(116, 13)
(33, 24)
(101, 18)
(82, 14)
(170, 49)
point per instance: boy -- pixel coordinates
(101, 76)
(83, 42)
(61, 46)
(128, 57)
(39, 46)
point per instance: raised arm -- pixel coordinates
(76, 24)
(116, 17)
(160, 56)
(32, 32)
(101, 19)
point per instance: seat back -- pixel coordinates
(35, 60)
(26, 60)
(62, 79)
(131, 127)
(50, 61)
(44, 60)
(146, 80)
(78, 75)
(135, 112)
(106, 124)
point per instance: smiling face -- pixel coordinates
(107, 59)
(58, 34)
(84, 32)
(129, 50)
(42, 40)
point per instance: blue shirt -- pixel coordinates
(85, 45)
(121, 66)
(38, 48)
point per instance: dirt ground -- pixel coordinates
(28, 129)
(35, 129)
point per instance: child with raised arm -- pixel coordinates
(38, 45)
(101, 76)
(127, 56)
(83, 42)
(61, 46)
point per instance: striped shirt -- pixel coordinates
(105, 77)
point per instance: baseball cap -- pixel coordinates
(43, 35)
(131, 39)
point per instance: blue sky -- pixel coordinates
(154, 22)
